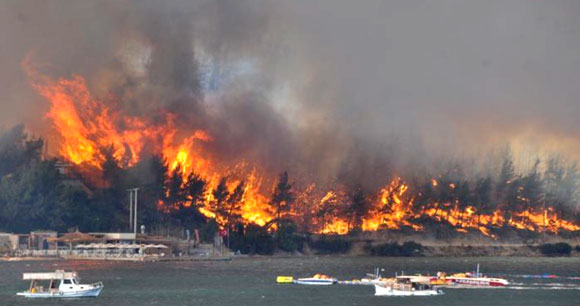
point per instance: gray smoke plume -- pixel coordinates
(333, 91)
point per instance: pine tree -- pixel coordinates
(282, 197)
(219, 204)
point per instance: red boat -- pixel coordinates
(468, 279)
(460, 280)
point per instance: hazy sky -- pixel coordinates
(338, 85)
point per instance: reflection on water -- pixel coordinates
(535, 281)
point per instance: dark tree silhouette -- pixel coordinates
(282, 197)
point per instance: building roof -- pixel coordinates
(76, 237)
(38, 232)
(115, 236)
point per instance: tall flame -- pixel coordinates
(89, 127)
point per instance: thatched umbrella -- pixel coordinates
(75, 237)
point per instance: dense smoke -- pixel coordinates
(333, 91)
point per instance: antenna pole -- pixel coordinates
(135, 215)
(130, 208)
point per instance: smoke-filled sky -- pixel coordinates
(335, 89)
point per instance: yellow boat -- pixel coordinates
(284, 279)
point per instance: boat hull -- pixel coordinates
(477, 282)
(389, 291)
(94, 292)
(314, 281)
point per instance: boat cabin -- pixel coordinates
(52, 282)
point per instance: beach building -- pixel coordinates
(5, 244)
(101, 246)
(19, 241)
(41, 240)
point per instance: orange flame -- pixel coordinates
(87, 126)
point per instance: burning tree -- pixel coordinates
(282, 197)
(186, 180)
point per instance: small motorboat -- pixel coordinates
(406, 287)
(318, 279)
(60, 284)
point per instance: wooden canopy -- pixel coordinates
(76, 237)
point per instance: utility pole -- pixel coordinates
(135, 215)
(133, 209)
(130, 208)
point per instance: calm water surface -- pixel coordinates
(251, 281)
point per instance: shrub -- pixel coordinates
(252, 239)
(286, 238)
(556, 249)
(407, 249)
(331, 244)
(412, 248)
(208, 231)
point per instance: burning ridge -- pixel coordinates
(89, 129)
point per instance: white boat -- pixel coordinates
(376, 278)
(404, 287)
(317, 279)
(61, 284)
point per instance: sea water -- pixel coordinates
(251, 281)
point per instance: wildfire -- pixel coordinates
(392, 210)
(327, 209)
(184, 156)
(90, 129)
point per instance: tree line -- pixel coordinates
(34, 194)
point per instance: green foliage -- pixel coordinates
(34, 195)
(356, 209)
(192, 193)
(86, 214)
(208, 231)
(227, 206)
(331, 244)
(176, 196)
(196, 188)
(407, 249)
(556, 249)
(220, 195)
(482, 197)
(252, 239)
(286, 237)
(32, 198)
(282, 197)
(234, 204)
(17, 149)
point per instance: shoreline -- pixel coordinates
(430, 251)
